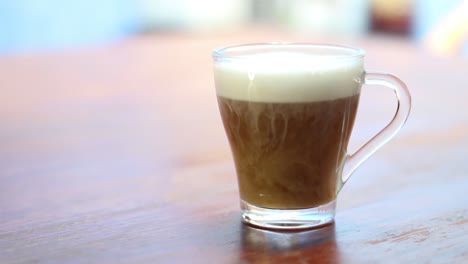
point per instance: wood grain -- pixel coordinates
(116, 154)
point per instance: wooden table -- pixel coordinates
(116, 154)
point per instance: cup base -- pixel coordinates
(288, 219)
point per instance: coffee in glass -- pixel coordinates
(288, 111)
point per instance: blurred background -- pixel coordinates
(440, 27)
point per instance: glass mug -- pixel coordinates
(288, 111)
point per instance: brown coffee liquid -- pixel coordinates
(288, 155)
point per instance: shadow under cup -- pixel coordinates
(288, 111)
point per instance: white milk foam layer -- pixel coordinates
(288, 77)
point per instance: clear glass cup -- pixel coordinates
(288, 111)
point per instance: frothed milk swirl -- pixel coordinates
(281, 76)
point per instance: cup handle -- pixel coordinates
(353, 161)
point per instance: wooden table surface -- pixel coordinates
(116, 154)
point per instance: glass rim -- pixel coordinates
(243, 51)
